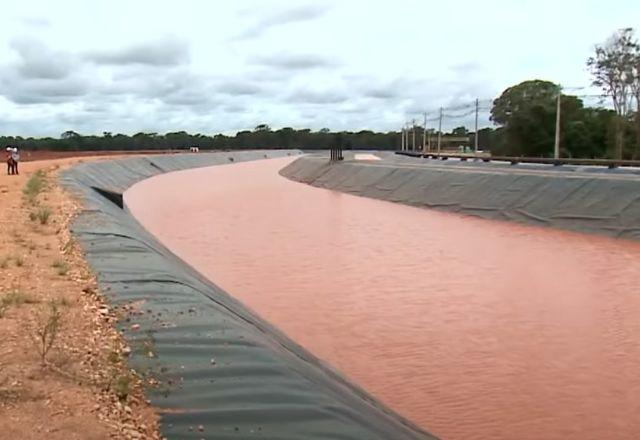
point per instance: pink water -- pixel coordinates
(470, 328)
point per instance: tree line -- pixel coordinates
(524, 116)
(262, 137)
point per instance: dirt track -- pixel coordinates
(31, 156)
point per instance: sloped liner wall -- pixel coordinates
(218, 364)
(579, 199)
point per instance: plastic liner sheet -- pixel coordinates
(581, 199)
(222, 371)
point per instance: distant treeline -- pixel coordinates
(261, 137)
(529, 131)
(525, 115)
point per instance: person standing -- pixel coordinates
(9, 161)
(15, 156)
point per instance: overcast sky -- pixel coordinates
(222, 66)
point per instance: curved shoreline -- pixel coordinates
(220, 368)
(580, 199)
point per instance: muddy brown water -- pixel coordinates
(470, 328)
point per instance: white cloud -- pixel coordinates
(163, 52)
(289, 15)
(115, 66)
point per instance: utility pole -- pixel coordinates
(439, 131)
(475, 143)
(424, 133)
(556, 149)
(402, 139)
(413, 129)
(406, 137)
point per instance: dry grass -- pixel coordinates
(41, 214)
(64, 302)
(35, 185)
(14, 297)
(61, 267)
(18, 261)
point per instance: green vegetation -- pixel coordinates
(47, 328)
(122, 386)
(616, 71)
(41, 214)
(526, 114)
(34, 186)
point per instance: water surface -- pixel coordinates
(471, 328)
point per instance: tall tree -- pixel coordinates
(635, 90)
(527, 113)
(612, 69)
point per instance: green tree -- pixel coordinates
(460, 131)
(262, 127)
(69, 134)
(613, 67)
(590, 134)
(526, 111)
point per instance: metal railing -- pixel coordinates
(610, 163)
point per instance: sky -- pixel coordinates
(223, 66)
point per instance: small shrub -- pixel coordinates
(14, 298)
(34, 186)
(61, 266)
(4, 262)
(113, 357)
(19, 261)
(33, 216)
(63, 270)
(122, 386)
(42, 214)
(17, 298)
(47, 329)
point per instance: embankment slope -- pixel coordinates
(573, 198)
(222, 371)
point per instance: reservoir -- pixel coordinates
(472, 329)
